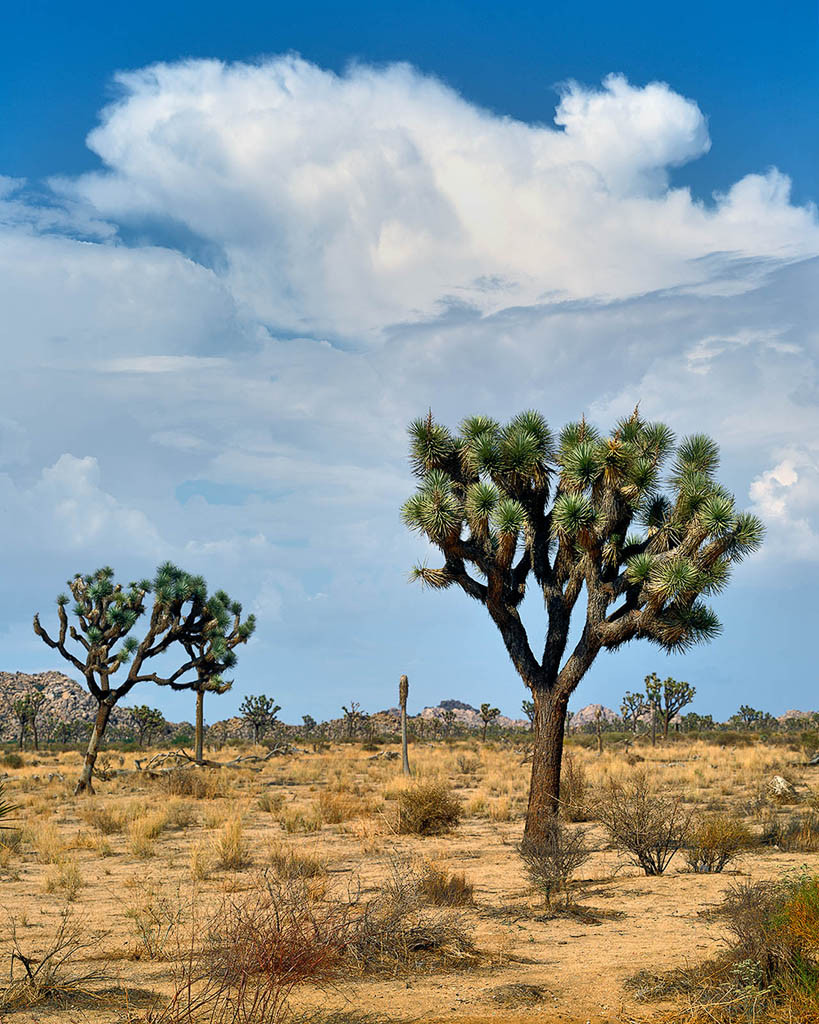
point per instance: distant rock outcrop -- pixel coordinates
(65, 701)
(588, 715)
(466, 715)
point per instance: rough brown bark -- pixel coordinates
(84, 783)
(200, 726)
(544, 791)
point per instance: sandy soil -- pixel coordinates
(629, 921)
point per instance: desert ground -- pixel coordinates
(141, 871)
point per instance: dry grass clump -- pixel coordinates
(143, 833)
(301, 820)
(770, 971)
(428, 809)
(442, 888)
(289, 864)
(49, 845)
(107, 820)
(65, 879)
(649, 828)
(797, 832)
(156, 918)
(335, 807)
(551, 860)
(198, 783)
(715, 841)
(271, 802)
(230, 848)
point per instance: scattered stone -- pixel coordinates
(780, 787)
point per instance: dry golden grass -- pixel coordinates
(330, 820)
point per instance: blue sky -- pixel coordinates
(222, 306)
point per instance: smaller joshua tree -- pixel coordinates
(633, 707)
(148, 721)
(26, 710)
(214, 652)
(403, 695)
(260, 712)
(488, 715)
(667, 698)
(100, 642)
(528, 708)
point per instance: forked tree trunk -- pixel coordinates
(200, 726)
(84, 783)
(544, 792)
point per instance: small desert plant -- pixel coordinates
(12, 760)
(65, 878)
(793, 833)
(335, 808)
(271, 802)
(714, 841)
(445, 889)
(230, 848)
(295, 820)
(467, 764)
(650, 829)
(196, 783)
(427, 809)
(552, 860)
(289, 864)
(103, 819)
(155, 917)
(54, 974)
(573, 789)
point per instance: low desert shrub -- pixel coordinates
(58, 973)
(13, 760)
(552, 860)
(65, 879)
(714, 841)
(198, 783)
(335, 808)
(428, 809)
(442, 888)
(573, 789)
(467, 764)
(649, 828)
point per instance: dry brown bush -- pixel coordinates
(230, 849)
(551, 862)
(58, 974)
(715, 841)
(797, 832)
(428, 809)
(649, 828)
(289, 864)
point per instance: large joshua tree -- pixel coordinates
(581, 515)
(100, 642)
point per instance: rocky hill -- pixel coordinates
(466, 715)
(588, 714)
(65, 701)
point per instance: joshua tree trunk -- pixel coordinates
(666, 719)
(544, 792)
(403, 694)
(654, 728)
(200, 725)
(22, 741)
(84, 783)
(34, 731)
(598, 728)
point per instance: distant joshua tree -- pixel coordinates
(260, 712)
(308, 724)
(448, 719)
(148, 721)
(582, 514)
(488, 715)
(528, 708)
(105, 614)
(403, 695)
(667, 698)
(633, 707)
(352, 717)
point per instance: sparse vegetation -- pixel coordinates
(428, 809)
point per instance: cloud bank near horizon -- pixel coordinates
(227, 327)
